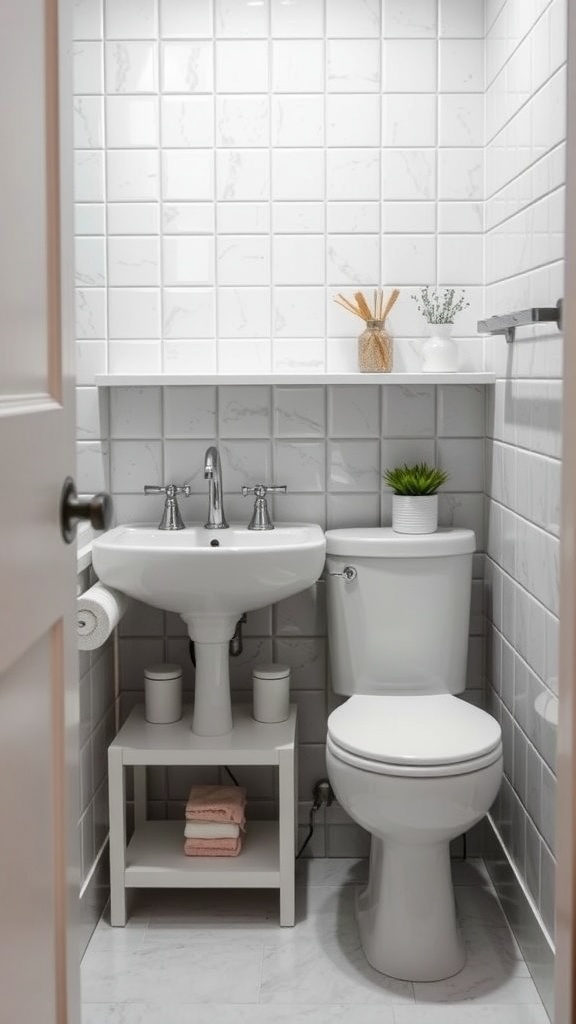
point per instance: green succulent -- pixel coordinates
(420, 479)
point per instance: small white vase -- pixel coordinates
(439, 351)
(414, 513)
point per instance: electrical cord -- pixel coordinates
(315, 807)
(231, 774)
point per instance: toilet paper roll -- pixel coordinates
(99, 611)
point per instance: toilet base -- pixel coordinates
(406, 914)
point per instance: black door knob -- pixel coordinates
(97, 509)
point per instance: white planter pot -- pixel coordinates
(439, 351)
(414, 514)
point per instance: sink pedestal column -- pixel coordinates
(212, 703)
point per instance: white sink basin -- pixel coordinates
(210, 577)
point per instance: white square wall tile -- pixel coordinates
(190, 412)
(353, 260)
(409, 65)
(188, 313)
(245, 412)
(243, 260)
(409, 120)
(413, 20)
(353, 411)
(298, 259)
(302, 19)
(298, 174)
(299, 355)
(243, 218)
(299, 412)
(133, 218)
(89, 176)
(463, 460)
(345, 510)
(135, 412)
(87, 68)
(87, 19)
(88, 122)
(133, 261)
(130, 19)
(245, 462)
(132, 175)
(408, 411)
(187, 121)
(90, 313)
(90, 262)
(408, 174)
(198, 356)
(298, 312)
(244, 312)
(461, 174)
(297, 66)
(360, 20)
(353, 120)
(244, 356)
(187, 175)
(301, 465)
(89, 219)
(406, 450)
(353, 174)
(461, 65)
(242, 66)
(236, 19)
(242, 120)
(461, 410)
(188, 260)
(353, 65)
(461, 119)
(408, 258)
(242, 174)
(187, 67)
(460, 259)
(131, 121)
(139, 356)
(354, 465)
(181, 18)
(461, 18)
(131, 67)
(297, 120)
(133, 464)
(134, 313)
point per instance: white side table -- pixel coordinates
(154, 857)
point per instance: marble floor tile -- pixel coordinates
(114, 1013)
(180, 974)
(331, 871)
(312, 972)
(469, 1015)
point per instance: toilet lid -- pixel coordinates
(431, 730)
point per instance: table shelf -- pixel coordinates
(154, 857)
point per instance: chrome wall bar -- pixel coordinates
(508, 323)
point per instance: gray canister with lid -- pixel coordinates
(163, 694)
(271, 693)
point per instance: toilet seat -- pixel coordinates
(425, 736)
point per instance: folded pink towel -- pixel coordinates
(216, 803)
(213, 847)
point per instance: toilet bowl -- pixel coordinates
(408, 790)
(408, 759)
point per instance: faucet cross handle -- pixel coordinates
(171, 517)
(261, 519)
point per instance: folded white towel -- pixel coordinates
(210, 830)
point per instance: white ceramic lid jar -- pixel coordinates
(271, 693)
(163, 694)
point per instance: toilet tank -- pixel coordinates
(401, 625)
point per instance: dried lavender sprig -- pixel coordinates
(440, 307)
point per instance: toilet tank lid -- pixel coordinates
(383, 542)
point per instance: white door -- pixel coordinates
(38, 864)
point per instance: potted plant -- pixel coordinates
(415, 499)
(439, 309)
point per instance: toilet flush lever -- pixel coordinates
(349, 573)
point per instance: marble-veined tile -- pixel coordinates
(114, 1013)
(469, 1015)
(178, 974)
(327, 972)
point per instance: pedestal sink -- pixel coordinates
(210, 581)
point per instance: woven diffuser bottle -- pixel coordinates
(375, 345)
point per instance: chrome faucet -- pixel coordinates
(213, 473)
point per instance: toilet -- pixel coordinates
(408, 760)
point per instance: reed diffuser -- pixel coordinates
(375, 342)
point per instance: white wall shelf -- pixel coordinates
(154, 857)
(124, 380)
